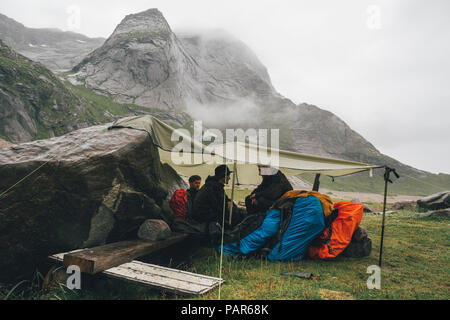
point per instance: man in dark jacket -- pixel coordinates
(273, 186)
(209, 202)
(182, 200)
(194, 186)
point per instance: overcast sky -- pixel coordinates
(381, 66)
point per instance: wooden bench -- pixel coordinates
(116, 260)
(100, 258)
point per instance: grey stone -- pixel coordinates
(443, 213)
(405, 205)
(153, 229)
(435, 201)
(95, 186)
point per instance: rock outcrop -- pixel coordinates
(90, 187)
(405, 205)
(442, 213)
(435, 201)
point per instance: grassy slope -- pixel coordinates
(41, 91)
(97, 108)
(415, 266)
(405, 185)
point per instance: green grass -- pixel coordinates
(415, 266)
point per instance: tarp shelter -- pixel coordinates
(167, 139)
(242, 154)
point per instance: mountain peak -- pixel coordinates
(150, 21)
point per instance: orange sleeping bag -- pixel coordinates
(331, 244)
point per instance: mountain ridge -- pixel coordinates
(57, 49)
(212, 77)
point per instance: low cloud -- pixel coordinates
(243, 112)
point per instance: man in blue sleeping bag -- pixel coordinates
(306, 223)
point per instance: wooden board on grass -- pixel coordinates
(104, 257)
(173, 280)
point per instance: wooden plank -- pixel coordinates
(155, 276)
(100, 258)
(58, 257)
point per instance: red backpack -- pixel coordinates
(178, 204)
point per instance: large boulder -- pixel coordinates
(83, 189)
(435, 201)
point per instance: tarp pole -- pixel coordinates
(387, 172)
(232, 192)
(316, 182)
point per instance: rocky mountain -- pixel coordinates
(214, 77)
(56, 49)
(145, 63)
(31, 95)
(37, 104)
(144, 67)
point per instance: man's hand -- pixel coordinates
(230, 205)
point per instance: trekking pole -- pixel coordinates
(387, 173)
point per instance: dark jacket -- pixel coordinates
(270, 189)
(209, 202)
(191, 193)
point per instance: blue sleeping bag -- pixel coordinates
(306, 223)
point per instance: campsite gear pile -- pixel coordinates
(306, 224)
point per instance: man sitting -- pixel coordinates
(273, 186)
(182, 200)
(211, 198)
